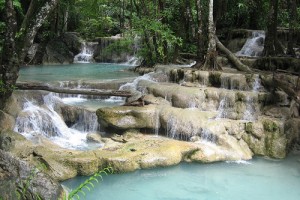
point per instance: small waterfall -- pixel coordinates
(133, 61)
(256, 84)
(254, 46)
(207, 136)
(132, 86)
(157, 122)
(249, 114)
(86, 54)
(87, 122)
(42, 120)
(250, 111)
(222, 110)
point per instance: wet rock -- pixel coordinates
(94, 137)
(17, 173)
(7, 121)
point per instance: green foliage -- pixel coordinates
(118, 47)
(4, 88)
(23, 186)
(87, 185)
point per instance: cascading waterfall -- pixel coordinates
(157, 122)
(86, 54)
(223, 106)
(131, 86)
(254, 46)
(250, 111)
(42, 120)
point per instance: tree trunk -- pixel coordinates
(211, 56)
(34, 25)
(96, 92)
(9, 68)
(255, 14)
(272, 45)
(200, 42)
(292, 6)
(232, 58)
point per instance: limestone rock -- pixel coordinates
(94, 137)
(7, 121)
(19, 171)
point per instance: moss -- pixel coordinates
(240, 97)
(270, 126)
(249, 127)
(215, 79)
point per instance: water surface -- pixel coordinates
(90, 71)
(259, 178)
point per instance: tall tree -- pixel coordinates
(17, 42)
(292, 9)
(211, 56)
(272, 46)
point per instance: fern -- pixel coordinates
(89, 183)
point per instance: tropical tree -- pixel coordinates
(18, 40)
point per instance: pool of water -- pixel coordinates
(260, 178)
(90, 71)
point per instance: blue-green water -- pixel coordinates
(91, 71)
(258, 179)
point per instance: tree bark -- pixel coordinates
(29, 34)
(232, 58)
(272, 45)
(200, 42)
(9, 68)
(292, 6)
(211, 56)
(96, 92)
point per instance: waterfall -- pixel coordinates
(157, 122)
(86, 54)
(223, 106)
(38, 120)
(133, 61)
(249, 114)
(254, 46)
(250, 111)
(131, 86)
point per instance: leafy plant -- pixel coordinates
(88, 184)
(4, 88)
(23, 191)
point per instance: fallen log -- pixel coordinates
(82, 91)
(232, 58)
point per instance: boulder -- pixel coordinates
(16, 173)
(94, 137)
(72, 41)
(57, 52)
(7, 122)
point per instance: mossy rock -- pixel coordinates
(270, 126)
(215, 79)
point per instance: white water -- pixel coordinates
(223, 106)
(38, 121)
(133, 61)
(86, 54)
(131, 86)
(254, 46)
(250, 113)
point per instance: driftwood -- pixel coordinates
(232, 58)
(96, 92)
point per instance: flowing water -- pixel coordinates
(86, 54)
(260, 178)
(43, 119)
(254, 45)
